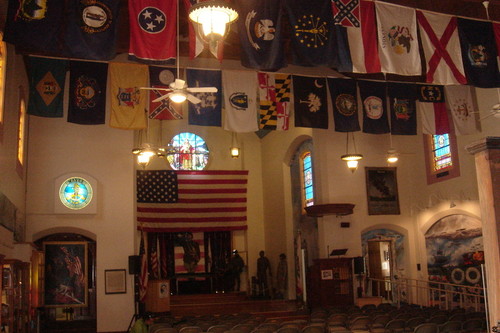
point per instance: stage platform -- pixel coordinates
(231, 303)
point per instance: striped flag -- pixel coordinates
(144, 277)
(153, 257)
(182, 200)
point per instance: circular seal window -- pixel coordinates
(187, 151)
(75, 193)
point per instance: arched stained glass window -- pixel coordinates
(441, 157)
(187, 151)
(307, 177)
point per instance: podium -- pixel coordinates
(158, 296)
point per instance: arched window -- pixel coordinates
(307, 179)
(3, 63)
(441, 157)
(187, 151)
(21, 132)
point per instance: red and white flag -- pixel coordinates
(434, 118)
(144, 275)
(153, 30)
(441, 46)
(462, 109)
(346, 13)
(363, 44)
(397, 35)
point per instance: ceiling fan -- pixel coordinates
(494, 111)
(178, 92)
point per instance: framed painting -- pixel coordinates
(382, 191)
(65, 274)
(115, 281)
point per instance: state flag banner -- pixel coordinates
(312, 33)
(441, 47)
(34, 26)
(178, 201)
(161, 77)
(397, 36)
(262, 42)
(310, 101)
(128, 102)
(432, 107)
(46, 81)
(462, 108)
(274, 101)
(402, 98)
(153, 30)
(362, 42)
(91, 29)
(344, 97)
(87, 92)
(479, 53)
(346, 13)
(240, 100)
(208, 111)
(374, 101)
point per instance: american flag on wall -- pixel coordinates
(177, 201)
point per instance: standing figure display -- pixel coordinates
(263, 269)
(281, 277)
(191, 255)
(236, 265)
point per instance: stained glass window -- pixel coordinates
(21, 131)
(441, 152)
(307, 174)
(3, 58)
(187, 151)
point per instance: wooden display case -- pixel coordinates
(330, 282)
(15, 310)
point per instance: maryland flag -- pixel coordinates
(274, 106)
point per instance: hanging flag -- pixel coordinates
(144, 275)
(441, 46)
(345, 106)
(346, 13)
(34, 25)
(91, 29)
(274, 101)
(47, 77)
(362, 41)
(310, 102)
(128, 102)
(153, 30)
(87, 92)
(479, 53)
(196, 43)
(153, 256)
(259, 27)
(403, 109)
(312, 33)
(161, 77)
(374, 101)
(431, 105)
(397, 36)
(163, 241)
(496, 31)
(208, 112)
(175, 201)
(462, 109)
(240, 98)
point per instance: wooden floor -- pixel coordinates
(234, 302)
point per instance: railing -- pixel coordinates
(428, 293)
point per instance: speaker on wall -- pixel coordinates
(359, 265)
(134, 264)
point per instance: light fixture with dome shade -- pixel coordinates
(352, 159)
(214, 18)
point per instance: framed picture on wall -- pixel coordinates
(115, 281)
(65, 274)
(382, 191)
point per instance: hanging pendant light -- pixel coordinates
(392, 156)
(235, 149)
(215, 17)
(351, 159)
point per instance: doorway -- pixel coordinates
(380, 266)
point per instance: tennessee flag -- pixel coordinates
(152, 30)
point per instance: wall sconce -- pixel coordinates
(352, 159)
(235, 149)
(215, 17)
(392, 156)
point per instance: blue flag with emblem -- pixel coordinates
(345, 106)
(87, 97)
(92, 27)
(34, 25)
(259, 29)
(208, 111)
(312, 34)
(479, 53)
(310, 101)
(46, 80)
(402, 101)
(373, 99)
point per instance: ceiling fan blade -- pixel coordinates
(161, 98)
(193, 99)
(202, 89)
(155, 88)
